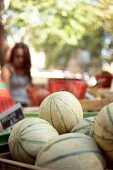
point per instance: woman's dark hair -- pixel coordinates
(27, 58)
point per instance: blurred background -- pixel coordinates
(67, 38)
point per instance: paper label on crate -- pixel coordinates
(11, 116)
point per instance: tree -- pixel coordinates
(3, 36)
(104, 12)
(58, 27)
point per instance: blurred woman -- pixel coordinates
(16, 73)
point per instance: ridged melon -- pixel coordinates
(103, 130)
(85, 126)
(28, 136)
(62, 109)
(72, 151)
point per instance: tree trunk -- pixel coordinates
(4, 48)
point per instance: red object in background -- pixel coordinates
(6, 100)
(76, 87)
(104, 80)
(37, 95)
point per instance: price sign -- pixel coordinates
(10, 117)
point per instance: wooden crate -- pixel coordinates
(7, 163)
(94, 105)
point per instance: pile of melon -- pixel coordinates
(61, 139)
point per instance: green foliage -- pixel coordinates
(93, 41)
(60, 26)
(104, 13)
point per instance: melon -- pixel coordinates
(28, 136)
(103, 130)
(71, 151)
(85, 126)
(62, 109)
